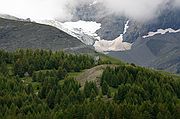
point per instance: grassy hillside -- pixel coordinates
(44, 84)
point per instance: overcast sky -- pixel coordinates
(62, 9)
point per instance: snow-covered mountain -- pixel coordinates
(10, 17)
(5, 16)
(113, 45)
(155, 43)
(85, 31)
(15, 34)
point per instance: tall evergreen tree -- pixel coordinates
(50, 99)
(105, 88)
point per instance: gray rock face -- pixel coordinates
(18, 34)
(170, 18)
(111, 25)
(160, 52)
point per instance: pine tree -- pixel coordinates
(80, 96)
(72, 96)
(30, 70)
(29, 89)
(93, 95)
(58, 97)
(50, 99)
(90, 116)
(61, 73)
(109, 93)
(105, 88)
(34, 77)
(3, 68)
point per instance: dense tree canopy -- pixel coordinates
(34, 84)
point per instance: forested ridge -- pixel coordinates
(37, 84)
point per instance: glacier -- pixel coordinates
(85, 31)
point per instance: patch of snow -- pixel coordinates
(126, 27)
(83, 30)
(114, 45)
(88, 27)
(86, 32)
(56, 24)
(161, 31)
(10, 17)
(5, 16)
(94, 2)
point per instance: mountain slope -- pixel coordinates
(152, 43)
(160, 51)
(18, 34)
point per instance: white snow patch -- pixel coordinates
(161, 31)
(126, 27)
(86, 32)
(88, 27)
(83, 30)
(94, 2)
(114, 45)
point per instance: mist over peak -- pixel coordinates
(140, 10)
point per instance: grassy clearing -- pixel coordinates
(35, 85)
(93, 74)
(113, 91)
(104, 57)
(74, 74)
(175, 76)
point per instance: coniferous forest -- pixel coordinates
(35, 84)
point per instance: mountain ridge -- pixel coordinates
(22, 34)
(157, 48)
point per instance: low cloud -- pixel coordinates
(38, 9)
(137, 9)
(63, 9)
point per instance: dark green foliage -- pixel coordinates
(109, 93)
(61, 73)
(132, 91)
(70, 85)
(90, 116)
(105, 88)
(92, 95)
(28, 61)
(3, 68)
(50, 98)
(137, 86)
(90, 89)
(29, 89)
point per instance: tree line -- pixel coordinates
(125, 91)
(152, 93)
